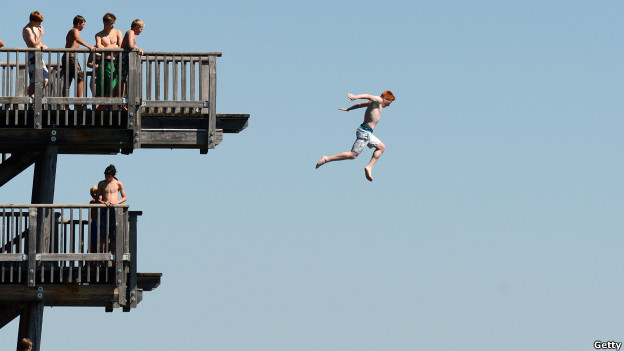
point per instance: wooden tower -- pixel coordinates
(79, 254)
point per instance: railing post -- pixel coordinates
(38, 88)
(32, 245)
(133, 86)
(132, 272)
(120, 233)
(212, 122)
(208, 89)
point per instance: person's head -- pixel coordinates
(93, 191)
(79, 21)
(137, 26)
(109, 19)
(387, 97)
(36, 17)
(24, 345)
(110, 172)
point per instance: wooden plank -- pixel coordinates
(132, 266)
(212, 98)
(38, 88)
(13, 257)
(121, 276)
(60, 294)
(58, 257)
(32, 246)
(173, 103)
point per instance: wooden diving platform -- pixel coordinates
(86, 255)
(169, 101)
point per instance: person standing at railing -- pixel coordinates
(129, 43)
(1, 43)
(73, 41)
(109, 191)
(33, 34)
(108, 38)
(93, 248)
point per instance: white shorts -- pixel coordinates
(31, 67)
(364, 138)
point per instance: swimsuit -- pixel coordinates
(31, 67)
(74, 67)
(364, 136)
(110, 71)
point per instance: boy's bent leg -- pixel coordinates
(368, 170)
(347, 155)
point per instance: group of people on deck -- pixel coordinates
(105, 77)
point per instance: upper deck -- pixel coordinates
(169, 101)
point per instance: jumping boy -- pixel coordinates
(129, 43)
(33, 34)
(364, 133)
(108, 38)
(73, 41)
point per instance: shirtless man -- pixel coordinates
(364, 133)
(129, 43)
(1, 43)
(108, 38)
(73, 41)
(110, 188)
(108, 192)
(32, 34)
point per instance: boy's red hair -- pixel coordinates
(387, 95)
(35, 16)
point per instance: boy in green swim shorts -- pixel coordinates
(108, 38)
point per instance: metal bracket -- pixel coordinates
(126, 257)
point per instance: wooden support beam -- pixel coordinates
(31, 323)
(8, 313)
(16, 164)
(96, 295)
(45, 176)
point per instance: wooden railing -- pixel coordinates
(78, 244)
(166, 83)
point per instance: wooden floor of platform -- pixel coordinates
(102, 132)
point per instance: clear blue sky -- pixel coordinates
(494, 221)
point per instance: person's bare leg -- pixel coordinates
(368, 170)
(79, 87)
(347, 155)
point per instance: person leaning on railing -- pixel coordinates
(33, 34)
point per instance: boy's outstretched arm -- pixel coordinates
(79, 40)
(353, 107)
(365, 96)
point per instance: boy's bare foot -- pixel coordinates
(321, 162)
(368, 174)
